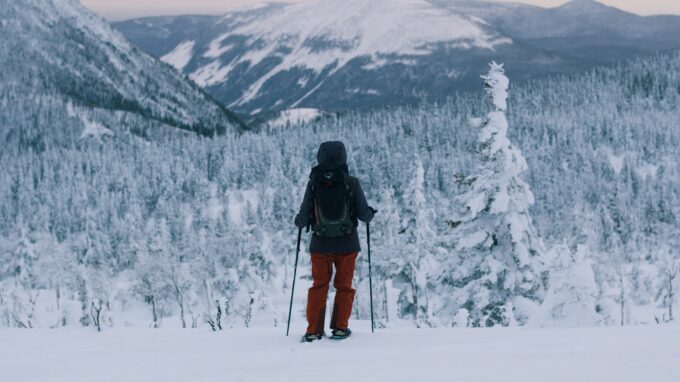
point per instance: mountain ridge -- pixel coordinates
(246, 57)
(70, 62)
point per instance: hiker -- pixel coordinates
(332, 205)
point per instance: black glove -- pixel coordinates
(300, 221)
(373, 212)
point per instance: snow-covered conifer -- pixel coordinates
(571, 297)
(418, 255)
(500, 251)
(668, 264)
(152, 270)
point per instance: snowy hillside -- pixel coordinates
(632, 354)
(563, 211)
(524, 232)
(326, 35)
(332, 55)
(587, 30)
(337, 55)
(63, 68)
(295, 117)
(584, 18)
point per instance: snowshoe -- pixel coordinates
(341, 334)
(311, 337)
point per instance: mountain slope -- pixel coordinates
(61, 63)
(336, 55)
(339, 55)
(588, 30)
(160, 35)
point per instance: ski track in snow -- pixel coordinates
(628, 354)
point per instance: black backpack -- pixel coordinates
(333, 214)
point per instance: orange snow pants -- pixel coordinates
(322, 271)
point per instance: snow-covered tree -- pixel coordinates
(601, 174)
(613, 278)
(668, 264)
(418, 255)
(387, 242)
(500, 253)
(21, 264)
(571, 297)
(153, 284)
(22, 284)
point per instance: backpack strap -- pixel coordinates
(350, 199)
(312, 213)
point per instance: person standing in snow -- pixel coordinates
(333, 204)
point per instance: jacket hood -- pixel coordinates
(332, 154)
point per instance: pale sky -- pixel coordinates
(122, 9)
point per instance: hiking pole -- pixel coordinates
(370, 280)
(292, 291)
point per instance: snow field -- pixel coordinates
(181, 55)
(622, 354)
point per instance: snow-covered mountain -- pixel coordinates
(331, 54)
(574, 18)
(65, 70)
(336, 55)
(587, 30)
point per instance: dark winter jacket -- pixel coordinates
(331, 156)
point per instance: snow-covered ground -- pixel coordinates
(181, 55)
(295, 117)
(635, 354)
